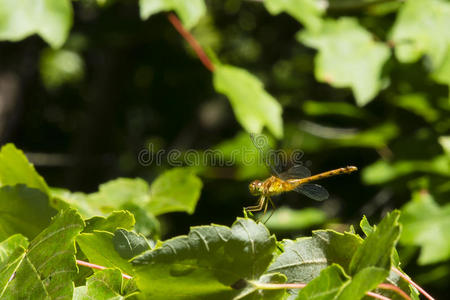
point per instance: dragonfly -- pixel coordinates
(298, 178)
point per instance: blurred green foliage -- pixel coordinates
(119, 78)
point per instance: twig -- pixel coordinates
(192, 41)
(409, 280)
(94, 266)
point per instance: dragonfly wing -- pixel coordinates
(271, 159)
(313, 191)
(295, 172)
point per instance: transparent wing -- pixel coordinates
(313, 191)
(272, 159)
(295, 172)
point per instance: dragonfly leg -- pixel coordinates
(273, 209)
(265, 206)
(261, 202)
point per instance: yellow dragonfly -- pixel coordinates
(297, 178)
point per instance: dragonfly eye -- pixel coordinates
(255, 187)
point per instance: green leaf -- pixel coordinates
(77, 200)
(105, 284)
(117, 219)
(18, 277)
(47, 268)
(444, 141)
(307, 12)
(23, 210)
(15, 168)
(115, 193)
(9, 245)
(189, 12)
(383, 171)
(366, 227)
(60, 66)
(129, 244)
(146, 223)
(175, 190)
(422, 28)
(51, 19)
(348, 57)
(426, 224)
(304, 259)
(376, 250)
(207, 262)
(418, 104)
(442, 73)
(253, 107)
(286, 219)
(326, 286)
(98, 246)
(365, 280)
(321, 108)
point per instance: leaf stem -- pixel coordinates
(409, 280)
(377, 296)
(191, 40)
(278, 286)
(387, 286)
(94, 266)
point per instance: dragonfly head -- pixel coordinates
(255, 187)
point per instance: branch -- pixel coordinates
(192, 41)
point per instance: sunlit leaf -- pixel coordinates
(253, 107)
(98, 246)
(327, 285)
(105, 284)
(175, 190)
(376, 250)
(365, 280)
(15, 168)
(24, 210)
(285, 219)
(207, 262)
(421, 28)
(426, 224)
(304, 259)
(445, 143)
(308, 12)
(189, 11)
(118, 219)
(9, 245)
(348, 57)
(442, 73)
(51, 19)
(48, 266)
